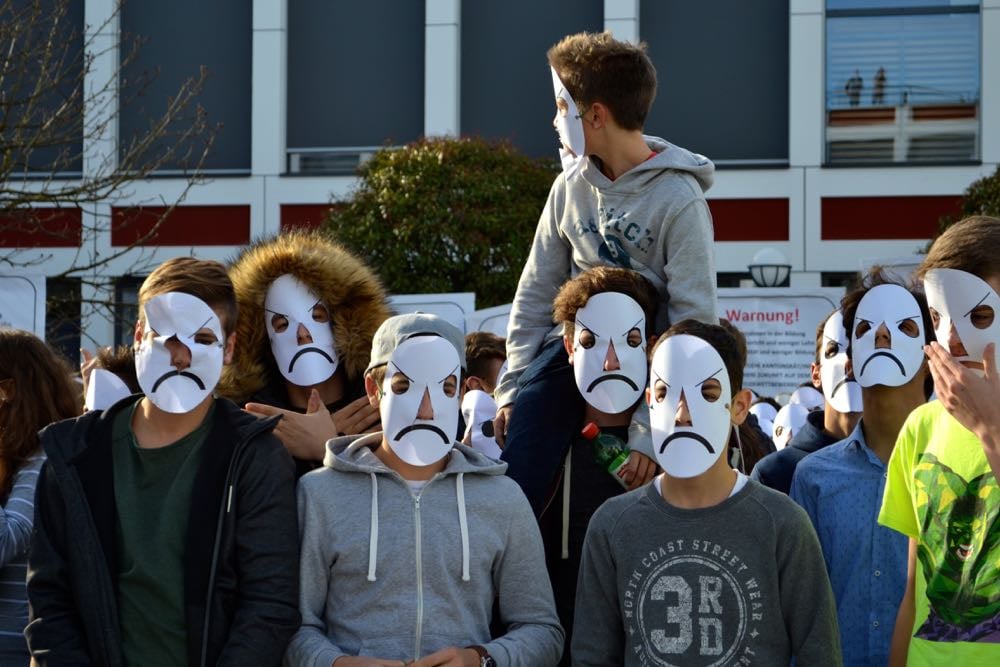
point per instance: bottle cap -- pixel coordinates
(590, 431)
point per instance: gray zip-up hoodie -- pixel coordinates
(393, 575)
(652, 219)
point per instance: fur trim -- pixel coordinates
(352, 292)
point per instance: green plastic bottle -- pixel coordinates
(610, 452)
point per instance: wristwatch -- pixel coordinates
(485, 659)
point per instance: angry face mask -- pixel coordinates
(968, 303)
(842, 391)
(179, 319)
(422, 368)
(887, 344)
(298, 326)
(569, 127)
(609, 352)
(687, 367)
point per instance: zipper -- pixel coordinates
(224, 509)
(420, 581)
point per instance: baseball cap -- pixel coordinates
(398, 328)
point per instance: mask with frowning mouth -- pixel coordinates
(841, 391)
(689, 367)
(196, 326)
(421, 368)
(891, 360)
(298, 326)
(610, 320)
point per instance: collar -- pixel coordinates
(856, 442)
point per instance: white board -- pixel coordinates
(22, 302)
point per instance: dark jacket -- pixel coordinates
(241, 562)
(776, 470)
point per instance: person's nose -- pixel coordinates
(303, 335)
(180, 355)
(883, 339)
(683, 416)
(425, 411)
(955, 346)
(611, 359)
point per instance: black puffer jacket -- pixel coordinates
(241, 561)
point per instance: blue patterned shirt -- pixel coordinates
(840, 487)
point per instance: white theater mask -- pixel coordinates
(298, 326)
(569, 126)
(174, 320)
(688, 367)
(841, 391)
(104, 389)
(897, 358)
(609, 352)
(970, 304)
(421, 368)
(787, 422)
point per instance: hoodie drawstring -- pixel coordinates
(565, 505)
(463, 524)
(373, 531)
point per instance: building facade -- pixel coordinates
(842, 129)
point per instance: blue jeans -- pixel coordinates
(548, 413)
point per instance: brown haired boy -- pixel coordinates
(942, 489)
(165, 526)
(625, 200)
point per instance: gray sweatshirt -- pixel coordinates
(741, 583)
(652, 219)
(393, 575)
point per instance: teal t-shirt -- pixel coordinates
(153, 497)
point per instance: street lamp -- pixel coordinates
(769, 268)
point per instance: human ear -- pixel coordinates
(739, 407)
(372, 390)
(568, 345)
(472, 382)
(814, 376)
(227, 357)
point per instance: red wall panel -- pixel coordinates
(303, 216)
(42, 228)
(750, 219)
(875, 218)
(184, 226)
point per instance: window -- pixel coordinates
(355, 81)
(902, 81)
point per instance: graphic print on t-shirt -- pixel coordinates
(959, 553)
(692, 602)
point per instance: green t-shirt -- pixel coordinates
(153, 497)
(941, 492)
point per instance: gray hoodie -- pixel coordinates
(393, 575)
(652, 219)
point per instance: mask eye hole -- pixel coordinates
(982, 317)
(863, 327)
(909, 327)
(450, 386)
(279, 323)
(831, 350)
(711, 390)
(400, 384)
(562, 107)
(634, 338)
(587, 339)
(205, 337)
(935, 318)
(320, 314)
(659, 391)
(778, 430)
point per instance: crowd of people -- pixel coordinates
(279, 471)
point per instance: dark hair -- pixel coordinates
(482, 347)
(720, 339)
(576, 292)
(876, 277)
(819, 334)
(41, 393)
(595, 67)
(120, 361)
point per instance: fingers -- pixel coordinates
(500, 424)
(990, 362)
(263, 410)
(315, 403)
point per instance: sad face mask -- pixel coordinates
(298, 326)
(887, 344)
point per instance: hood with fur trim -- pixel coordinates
(351, 291)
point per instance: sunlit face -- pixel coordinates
(689, 405)
(180, 351)
(887, 342)
(839, 388)
(964, 311)
(609, 352)
(298, 327)
(420, 403)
